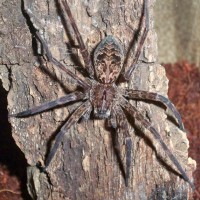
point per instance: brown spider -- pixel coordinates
(102, 95)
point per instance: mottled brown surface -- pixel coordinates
(85, 167)
(108, 60)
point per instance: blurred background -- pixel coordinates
(178, 28)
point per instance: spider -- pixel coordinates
(102, 95)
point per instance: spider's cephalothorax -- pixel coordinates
(106, 98)
(108, 60)
(102, 97)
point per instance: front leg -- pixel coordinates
(145, 20)
(83, 50)
(75, 96)
(145, 95)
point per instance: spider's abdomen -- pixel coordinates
(102, 98)
(108, 60)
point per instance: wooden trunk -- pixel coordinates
(86, 166)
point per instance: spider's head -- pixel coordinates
(108, 60)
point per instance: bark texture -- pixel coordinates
(86, 166)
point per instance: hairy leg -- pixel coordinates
(145, 95)
(60, 65)
(83, 49)
(140, 118)
(120, 124)
(128, 143)
(77, 114)
(145, 17)
(75, 96)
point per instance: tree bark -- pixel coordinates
(86, 166)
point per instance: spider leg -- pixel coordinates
(137, 94)
(145, 15)
(128, 143)
(60, 65)
(120, 124)
(83, 49)
(46, 106)
(77, 114)
(140, 118)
